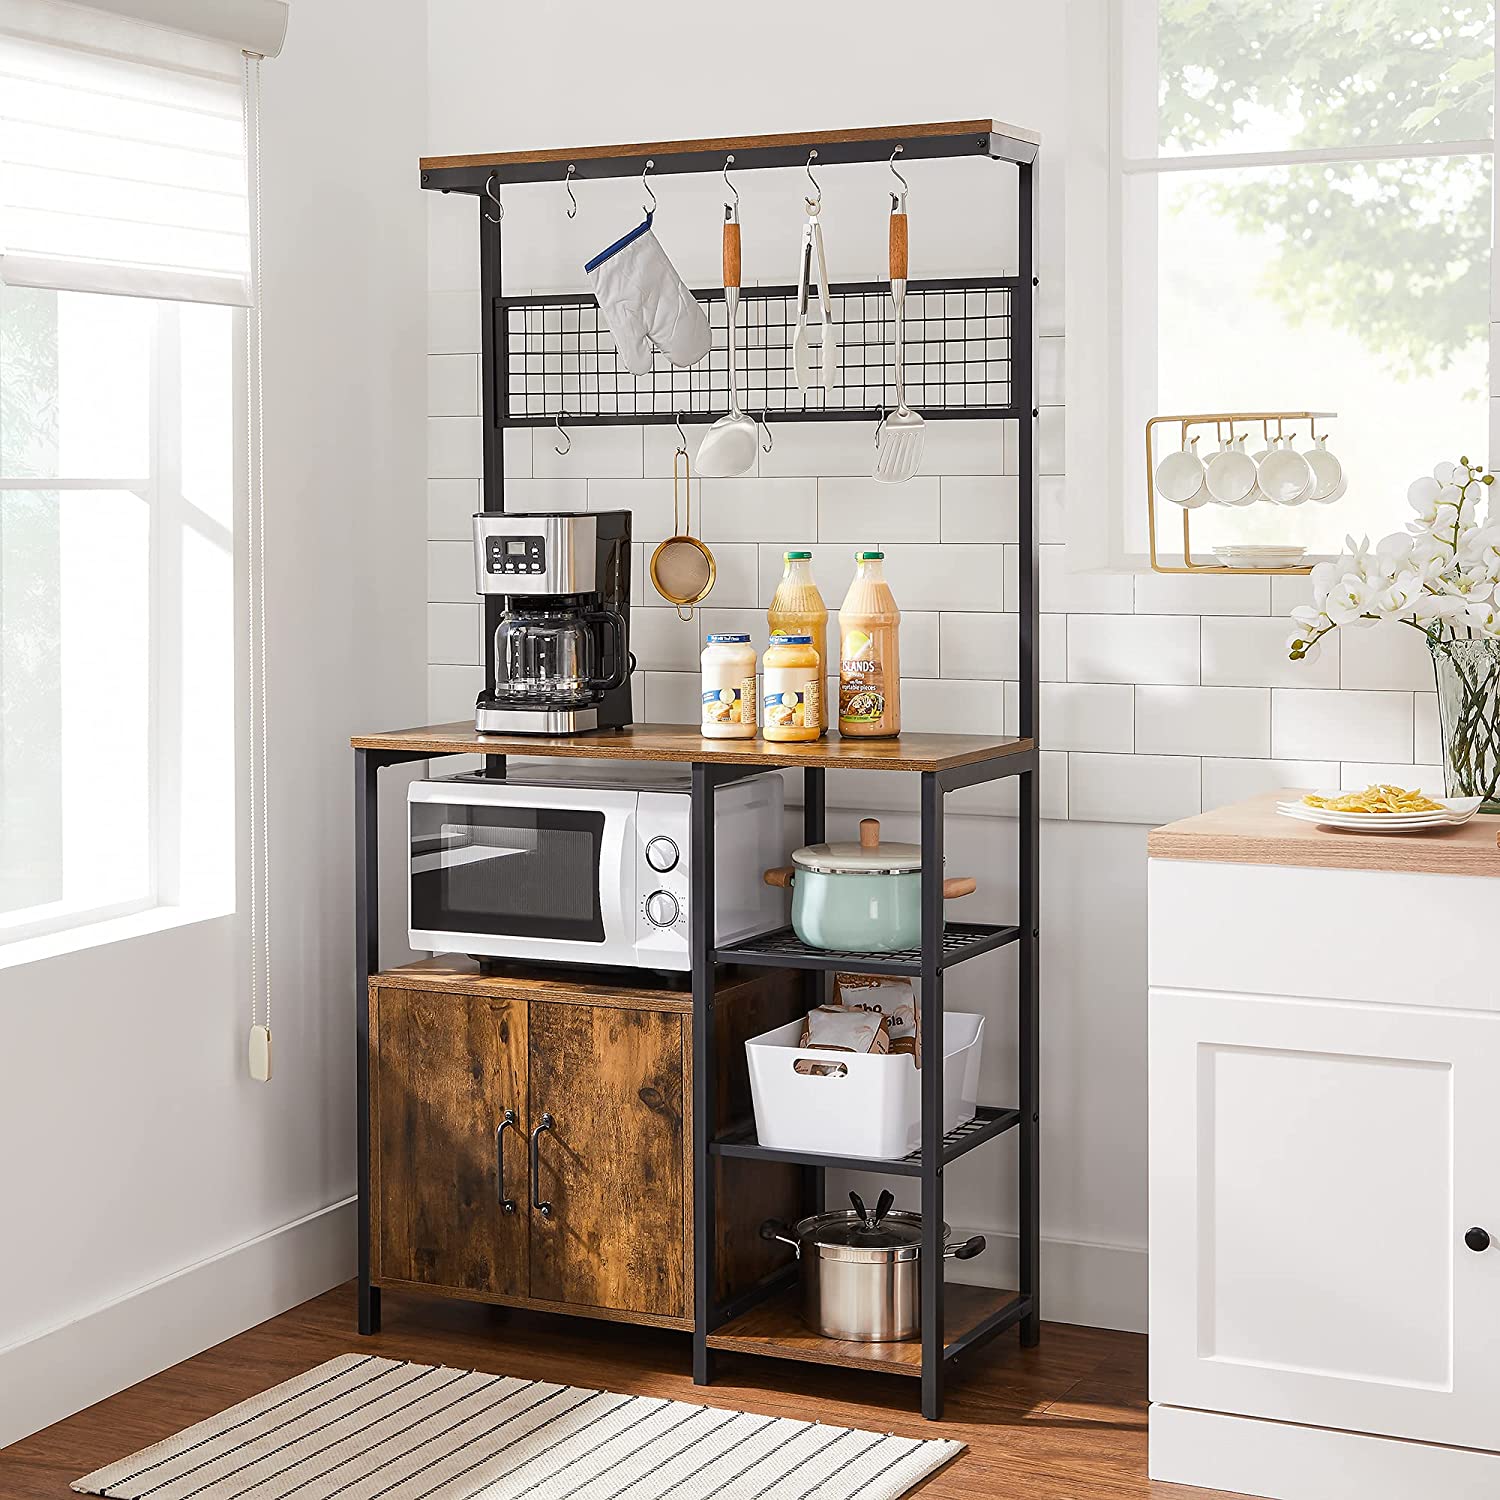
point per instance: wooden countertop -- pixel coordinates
(683, 743)
(1253, 833)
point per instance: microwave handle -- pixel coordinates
(613, 622)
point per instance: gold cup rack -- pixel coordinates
(1217, 420)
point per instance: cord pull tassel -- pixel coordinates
(259, 1053)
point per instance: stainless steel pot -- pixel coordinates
(861, 1276)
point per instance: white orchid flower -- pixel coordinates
(1350, 598)
(1484, 616)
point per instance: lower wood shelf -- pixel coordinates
(775, 1329)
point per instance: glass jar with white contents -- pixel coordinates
(729, 688)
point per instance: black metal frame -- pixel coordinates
(940, 948)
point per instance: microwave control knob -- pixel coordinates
(662, 854)
(661, 908)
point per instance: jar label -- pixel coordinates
(794, 706)
(731, 704)
(861, 680)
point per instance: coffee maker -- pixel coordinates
(556, 587)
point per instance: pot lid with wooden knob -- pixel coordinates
(872, 855)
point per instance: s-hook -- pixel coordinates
(572, 197)
(652, 196)
(494, 197)
(562, 452)
(733, 208)
(765, 427)
(898, 200)
(813, 204)
(682, 446)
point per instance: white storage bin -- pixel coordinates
(872, 1107)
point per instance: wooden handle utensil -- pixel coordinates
(898, 247)
(731, 252)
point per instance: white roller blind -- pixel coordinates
(122, 157)
(256, 25)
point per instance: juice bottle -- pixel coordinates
(791, 689)
(869, 654)
(797, 608)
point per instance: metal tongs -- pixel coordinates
(812, 241)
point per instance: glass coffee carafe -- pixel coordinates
(558, 656)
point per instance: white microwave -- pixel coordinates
(590, 865)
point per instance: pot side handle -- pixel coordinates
(781, 876)
(971, 1247)
(774, 1229)
(957, 885)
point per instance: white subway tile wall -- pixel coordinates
(1162, 694)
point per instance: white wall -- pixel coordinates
(148, 1184)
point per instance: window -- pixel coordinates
(1301, 206)
(117, 680)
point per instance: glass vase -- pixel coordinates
(1468, 689)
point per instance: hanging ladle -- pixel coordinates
(728, 447)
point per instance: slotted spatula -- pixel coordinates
(898, 439)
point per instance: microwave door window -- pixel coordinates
(507, 872)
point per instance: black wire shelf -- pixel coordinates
(784, 949)
(985, 1126)
(561, 362)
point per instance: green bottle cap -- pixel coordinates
(869, 556)
(793, 556)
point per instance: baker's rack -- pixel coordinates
(982, 368)
(1216, 422)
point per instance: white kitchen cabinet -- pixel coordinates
(1322, 1317)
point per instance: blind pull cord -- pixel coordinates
(259, 1050)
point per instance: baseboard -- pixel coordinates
(65, 1369)
(1283, 1461)
(1097, 1286)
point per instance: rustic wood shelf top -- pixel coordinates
(683, 743)
(458, 975)
(834, 147)
(776, 1329)
(1254, 833)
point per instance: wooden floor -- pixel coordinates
(1064, 1421)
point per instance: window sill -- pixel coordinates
(98, 934)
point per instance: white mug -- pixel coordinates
(1179, 478)
(1328, 472)
(1229, 475)
(1284, 477)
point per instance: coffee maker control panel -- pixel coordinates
(515, 554)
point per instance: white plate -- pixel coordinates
(1455, 810)
(1260, 557)
(1331, 815)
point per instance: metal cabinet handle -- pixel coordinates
(544, 1209)
(507, 1122)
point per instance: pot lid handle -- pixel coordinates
(869, 833)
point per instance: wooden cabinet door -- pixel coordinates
(444, 1070)
(611, 1167)
(1315, 1166)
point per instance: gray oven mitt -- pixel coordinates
(645, 302)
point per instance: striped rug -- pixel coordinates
(362, 1428)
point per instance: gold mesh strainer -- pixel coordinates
(682, 568)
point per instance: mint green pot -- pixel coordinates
(859, 898)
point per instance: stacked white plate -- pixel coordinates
(1260, 557)
(1454, 810)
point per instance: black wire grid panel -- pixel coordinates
(561, 361)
